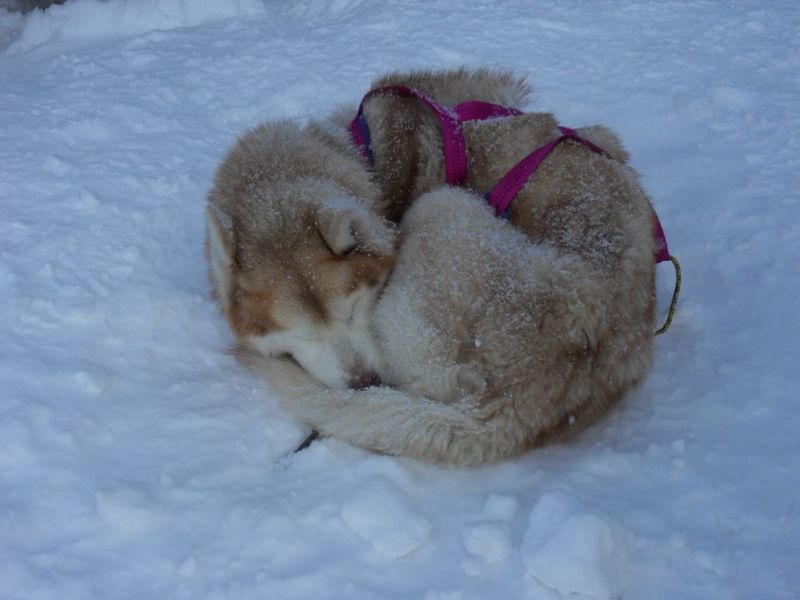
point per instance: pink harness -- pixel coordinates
(455, 149)
(451, 117)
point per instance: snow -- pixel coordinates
(381, 514)
(138, 459)
(87, 20)
(569, 548)
(489, 542)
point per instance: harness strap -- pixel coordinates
(477, 110)
(455, 147)
(506, 190)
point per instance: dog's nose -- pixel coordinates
(366, 379)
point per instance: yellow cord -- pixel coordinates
(673, 305)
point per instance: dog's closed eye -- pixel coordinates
(289, 356)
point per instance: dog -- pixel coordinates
(301, 231)
(497, 335)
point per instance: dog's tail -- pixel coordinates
(390, 421)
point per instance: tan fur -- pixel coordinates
(300, 238)
(493, 334)
(497, 335)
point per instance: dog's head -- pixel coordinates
(297, 270)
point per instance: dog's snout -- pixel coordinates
(366, 379)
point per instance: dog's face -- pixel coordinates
(304, 284)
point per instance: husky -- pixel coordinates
(496, 335)
(301, 232)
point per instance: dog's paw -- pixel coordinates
(469, 381)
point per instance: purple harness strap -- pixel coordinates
(503, 194)
(455, 147)
(506, 190)
(477, 110)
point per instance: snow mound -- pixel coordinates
(381, 514)
(489, 542)
(96, 18)
(573, 550)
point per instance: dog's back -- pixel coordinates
(524, 335)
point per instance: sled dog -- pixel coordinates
(494, 335)
(301, 233)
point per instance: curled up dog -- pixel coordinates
(494, 338)
(490, 335)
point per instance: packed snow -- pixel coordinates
(380, 514)
(138, 459)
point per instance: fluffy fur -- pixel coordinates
(495, 335)
(492, 335)
(301, 233)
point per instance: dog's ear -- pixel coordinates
(220, 249)
(346, 228)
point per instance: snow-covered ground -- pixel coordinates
(139, 460)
